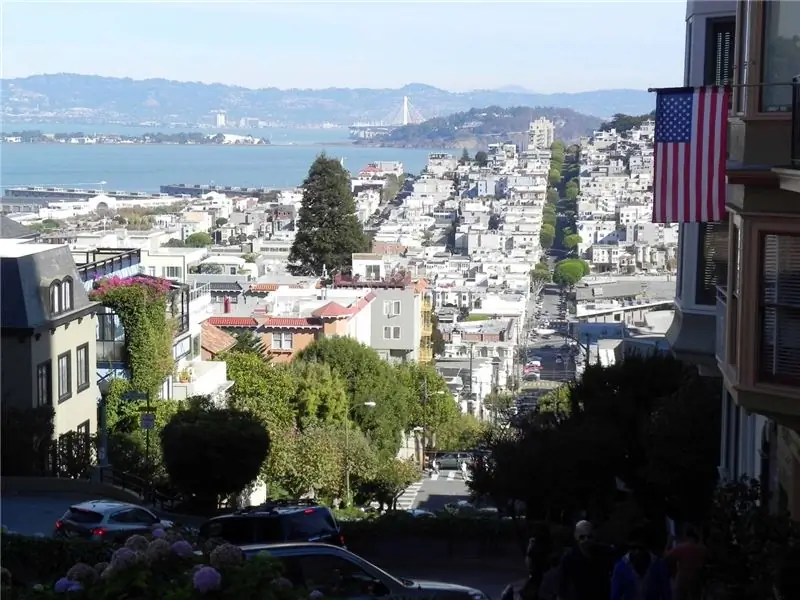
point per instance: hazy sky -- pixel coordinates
(544, 46)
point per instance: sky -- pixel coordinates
(547, 47)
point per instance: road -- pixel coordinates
(438, 490)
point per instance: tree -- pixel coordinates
(310, 462)
(210, 454)
(368, 379)
(210, 269)
(264, 389)
(540, 276)
(554, 177)
(198, 240)
(221, 221)
(465, 159)
(572, 190)
(556, 401)
(328, 230)
(464, 433)
(481, 158)
(494, 222)
(320, 395)
(547, 236)
(434, 408)
(249, 342)
(174, 243)
(549, 218)
(572, 241)
(391, 479)
(569, 272)
(552, 196)
(437, 339)
(499, 402)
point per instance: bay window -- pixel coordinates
(780, 54)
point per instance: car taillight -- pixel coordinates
(59, 524)
(99, 531)
(308, 511)
(341, 540)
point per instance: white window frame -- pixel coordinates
(67, 297)
(396, 308)
(282, 340)
(387, 332)
(396, 333)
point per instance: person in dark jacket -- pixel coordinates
(537, 557)
(641, 574)
(585, 571)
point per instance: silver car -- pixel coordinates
(338, 573)
(107, 520)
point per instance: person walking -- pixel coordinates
(464, 470)
(640, 574)
(536, 560)
(689, 558)
(585, 571)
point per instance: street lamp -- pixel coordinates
(350, 409)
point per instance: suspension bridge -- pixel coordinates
(406, 114)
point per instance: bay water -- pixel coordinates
(140, 167)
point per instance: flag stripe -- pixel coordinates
(689, 155)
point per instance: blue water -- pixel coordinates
(146, 167)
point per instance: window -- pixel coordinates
(282, 340)
(151, 271)
(82, 364)
(780, 54)
(84, 431)
(712, 261)
(395, 333)
(66, 294)
(337, 577)
(64, 376)
(391, 308)
(182, 348)
(396, 307)
(110, 337)
(719, 51)
(780, 309)
(55, 297)
(44, 384)
(387, 333)
(373, 272)
(171, 272)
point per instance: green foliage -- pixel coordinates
(26, 440)
(210, 269)
(481, 158)
(465, 159)
(198, 240)
(623, 123)
(466, 432)
(320, 395)
(250, 257)
(554, 177)
(569, 272)
(436, 409)
(540, 275)
(264, 389)
(499, 402)
(142, 310)
(391, 478)
(221, 221)
(213, 453)
(249, 342)
(552, 197)
(369, 379)
(437, 340)
(572, 190)
(308, 462)
(174, 243)
(547, 236)
(34, 560)
(570, 242)
(328, 231)
(556, 401)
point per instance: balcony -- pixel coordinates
(722, 307)
(426, 305)
(425, 355)
(106, 262)
(427, 328)
(200, 303)
(200, 378)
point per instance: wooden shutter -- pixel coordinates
(780, 308)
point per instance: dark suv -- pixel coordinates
(275, 522)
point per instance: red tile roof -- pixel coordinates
(334, 310)
(291, 322)
(214, 340)
(232, 321)
(263, 287)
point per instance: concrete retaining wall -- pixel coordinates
(20, 486)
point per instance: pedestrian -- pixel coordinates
(689, 558)
(585, 571)
(548, 590)
(464, 470)
(537, 559)
(640, 574)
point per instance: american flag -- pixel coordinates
(690, 152)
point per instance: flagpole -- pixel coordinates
(690, 88)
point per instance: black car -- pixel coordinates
(275, 522)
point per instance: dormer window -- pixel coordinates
(55, 298)
(66, 294)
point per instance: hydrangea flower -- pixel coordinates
(182, 548)
(82, 573)
(100, 567)
(207, 579)
(316, 595)
(157, 550)
(64, 585)
(281, 583)
(124, 558)
(158, 533)
(137, 543)
(226, 555)
(38, 587)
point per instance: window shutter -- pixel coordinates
(780, 314)
(712, 261)
(720, 51)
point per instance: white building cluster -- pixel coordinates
(614, 210)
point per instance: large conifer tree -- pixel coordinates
(328, 231)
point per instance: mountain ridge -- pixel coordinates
(96, 98)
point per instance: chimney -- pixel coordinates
(226, 304)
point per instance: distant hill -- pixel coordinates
(479, 127)
(93, 99)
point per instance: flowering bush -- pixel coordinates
(154, 286)
(145, 569)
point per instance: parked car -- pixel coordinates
(107, 520)
(275, 522)
(338, 573)
(451, 461)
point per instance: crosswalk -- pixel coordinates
(406, 499)
(447, 475)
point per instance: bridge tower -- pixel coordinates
(406, 112)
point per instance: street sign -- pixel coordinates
(134, 396)
(148, 421)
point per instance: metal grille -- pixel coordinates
(780, 309)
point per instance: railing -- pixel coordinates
(796, 122)
(136, 485)
(200, 290)
(119, 259)
(721, 316)
(182, 324)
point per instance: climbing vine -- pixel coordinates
(141, 304)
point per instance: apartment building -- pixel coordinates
(48, 325)
(736, 299)
(541, 134)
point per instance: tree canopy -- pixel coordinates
(547, 236)
(481, 158)
(328, 230)
(198, 240)
(570, 271)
